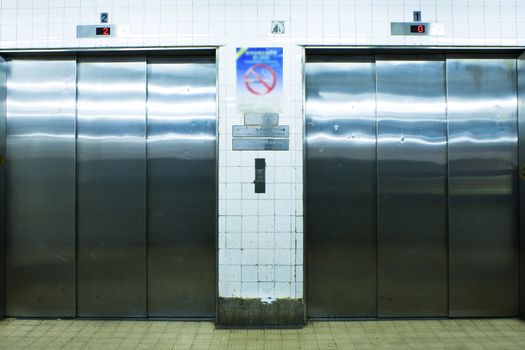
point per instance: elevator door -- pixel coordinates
(181, 184)
(111, 185)
(433, 185)
(411, 201)
(41, 186)
(341, 183)
(482, 151)
(3, 90)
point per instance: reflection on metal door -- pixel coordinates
(341, 183)
(521, 162)
(181, 184)
(41, 187)
(482, 151)
(3, 90)
(411, 171)
(446, 219)
(111, 185)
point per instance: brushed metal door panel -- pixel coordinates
(411, 176)
(521, 134)
(3, 83)
(41, 187)
(340, 188)
(181, 188)
(111, 186)
(482, 154)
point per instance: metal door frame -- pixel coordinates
(521, 181)
(3, 202)
(207, 51)
(338, 53)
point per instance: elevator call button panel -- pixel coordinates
(260, 175)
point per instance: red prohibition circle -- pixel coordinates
(253, 76)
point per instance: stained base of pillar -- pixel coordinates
(257, 313)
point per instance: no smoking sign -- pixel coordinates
(259, 79)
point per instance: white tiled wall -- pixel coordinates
(260, 235)
(51, 23)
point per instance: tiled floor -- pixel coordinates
(78, 334)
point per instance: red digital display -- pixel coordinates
(103, 31)
(418, 28)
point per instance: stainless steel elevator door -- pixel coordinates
(3, 92)
(111, 187)
(341, 189)
(521, 162)
(446, 171)
(181, 187)
(41, 187)
(411, 186)
(482, 113)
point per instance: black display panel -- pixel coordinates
(103, 31)
(418, 28)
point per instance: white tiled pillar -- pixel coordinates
(261, 235)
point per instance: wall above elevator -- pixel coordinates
(260, 235)
(52, 23)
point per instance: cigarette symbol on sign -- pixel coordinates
(260, 79)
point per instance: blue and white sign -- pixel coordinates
(259, 79)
